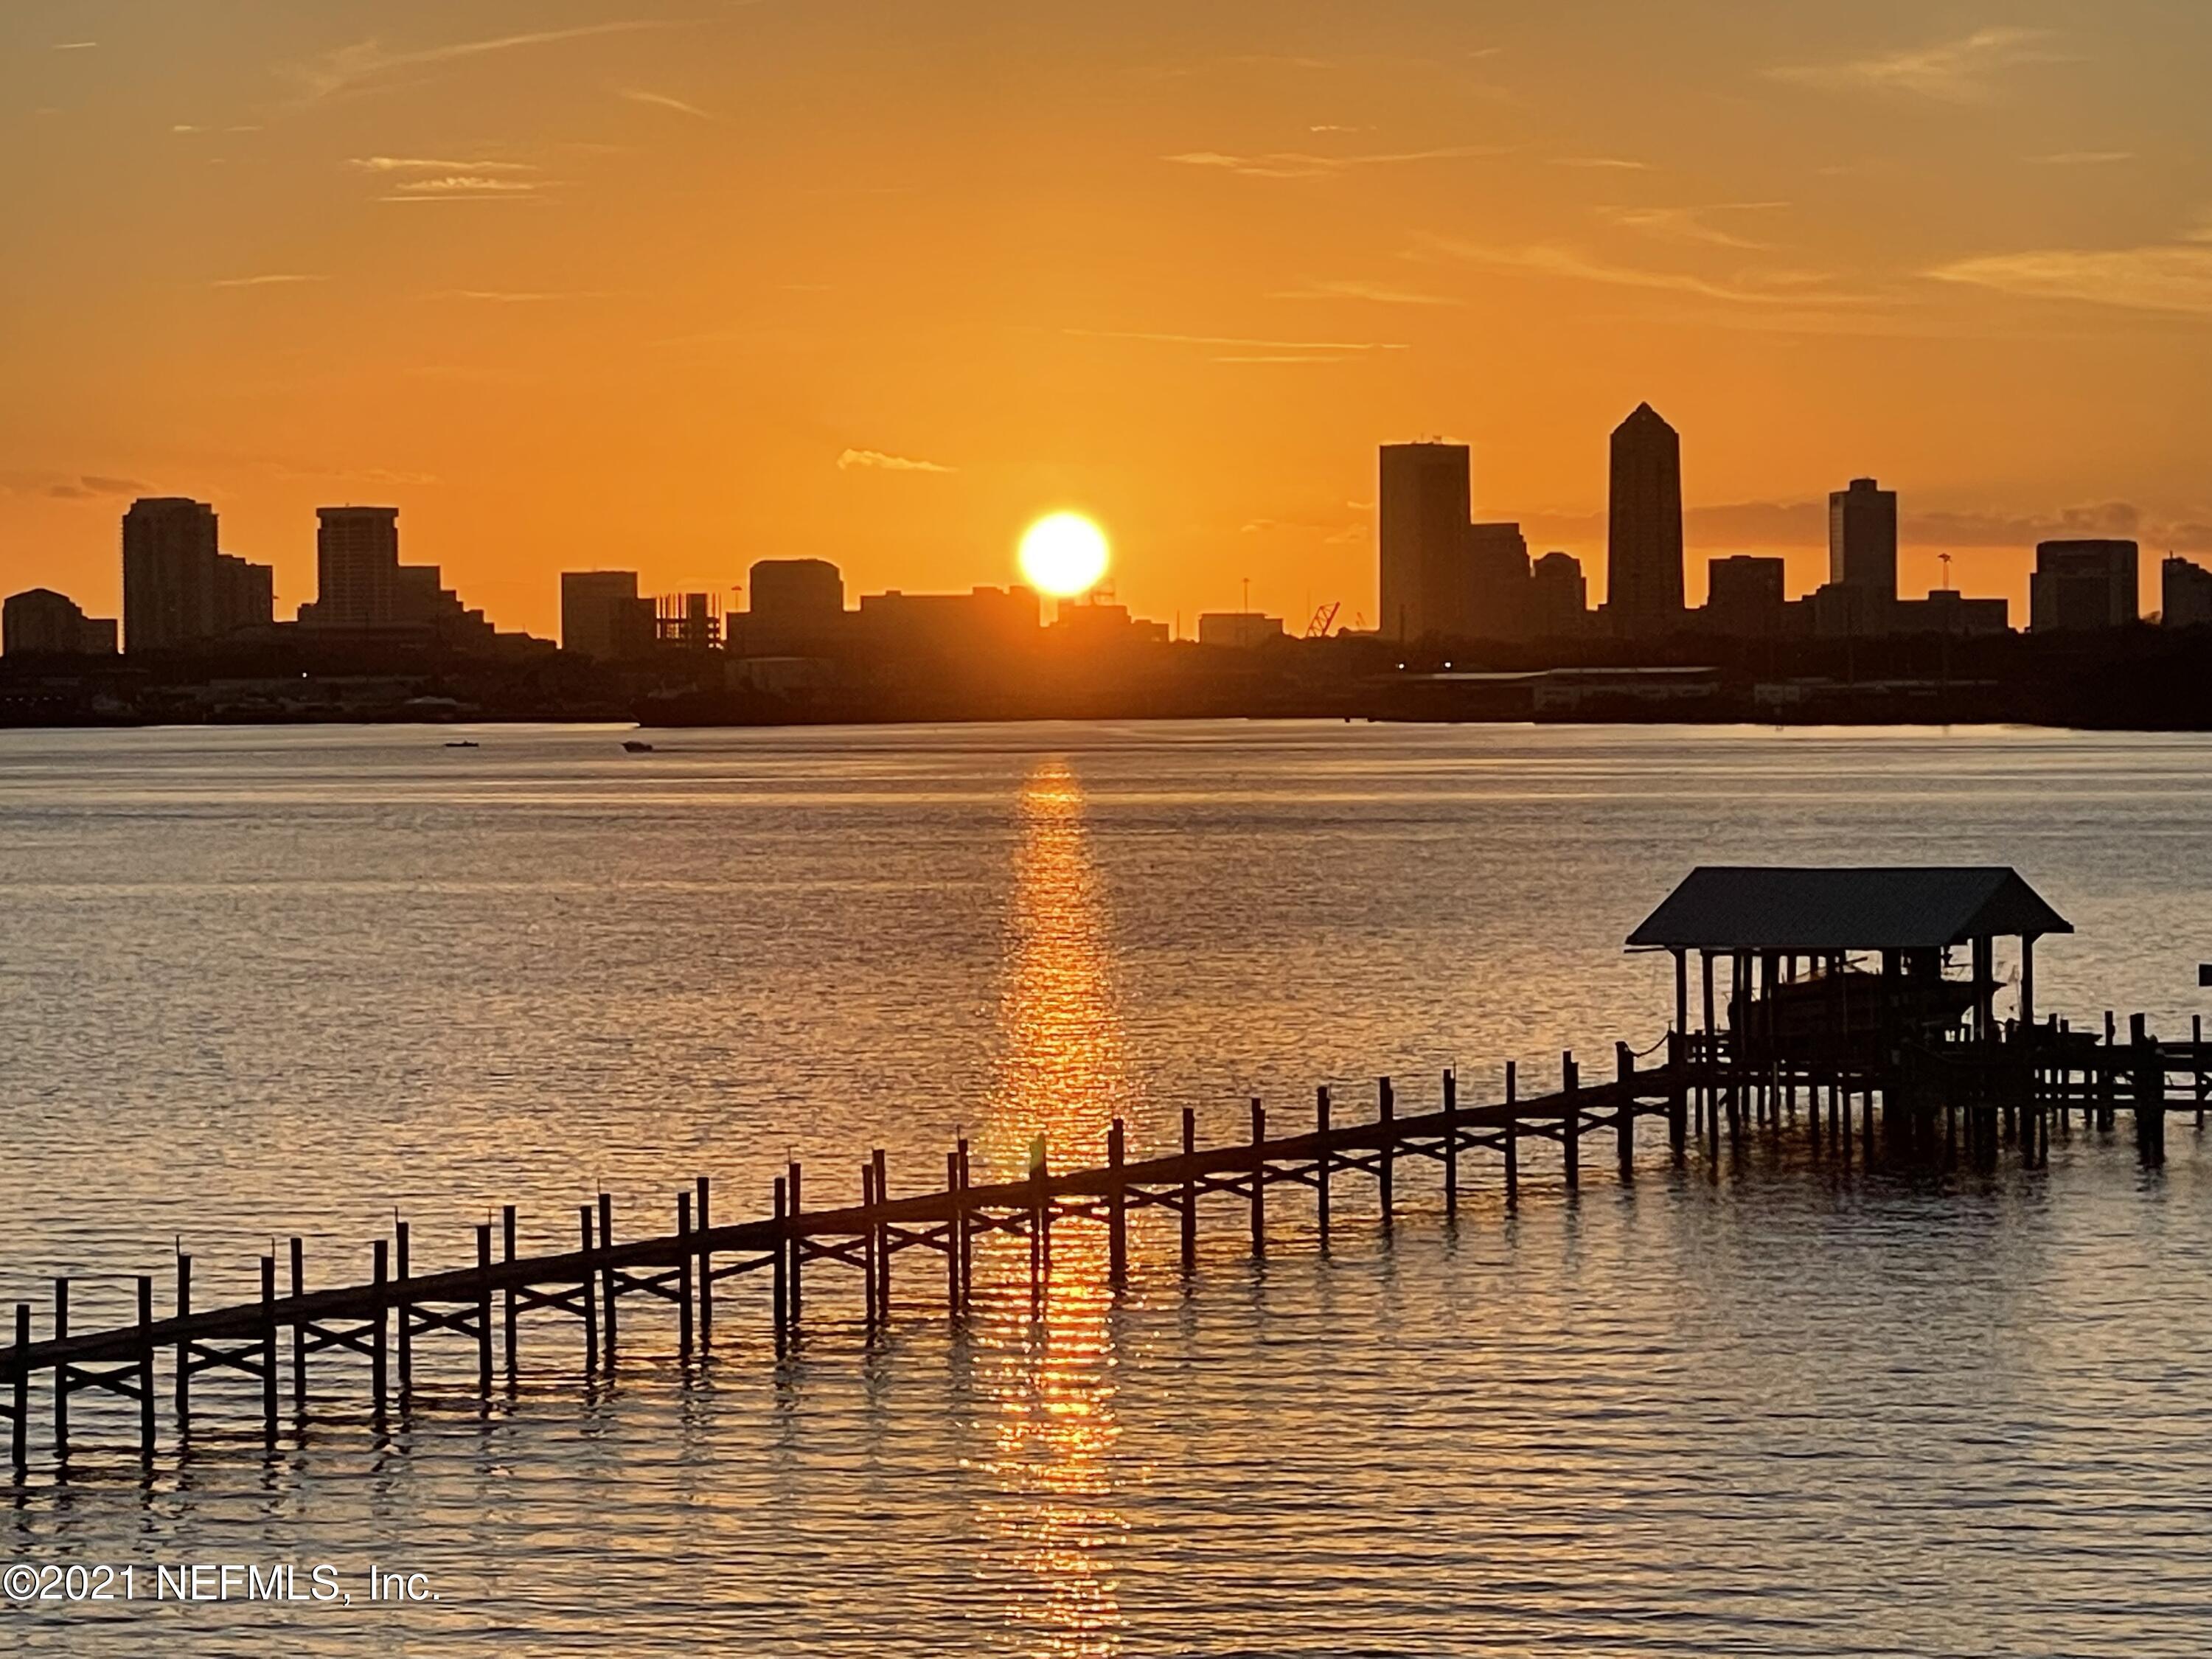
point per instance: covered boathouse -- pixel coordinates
(1789, 936)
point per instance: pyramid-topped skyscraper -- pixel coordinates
(1644, 545)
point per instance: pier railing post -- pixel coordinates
(299, 1329)
(798, 1251)
(507, 1255)
(403, 1308)
(18, 1446)
(882, 1238)
(1451, 1143)
(1322, 1161)
(706, 1266)
(1189, 1190)
(1570, 1121)
(868, 1242)
(1625, 1109)
(1386, 1159)
(61, 1373)
(1512, 1135)
(607, 1271)
(967, 1227)
(380, 1277)
(587, 1290)
(1259, 1179)
(146, 1366)
(269, 1347)
(184, 1361)
(484, 1308)
(684, 1274)
(780, 1287)
(1117, 1237)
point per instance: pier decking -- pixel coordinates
(1955, 1103)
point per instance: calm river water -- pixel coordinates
(265, 982)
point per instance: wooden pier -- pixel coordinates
(1958, 1104)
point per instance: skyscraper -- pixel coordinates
(1425, 505)
(1487, 595)
(1644, 544)
(1862, 540)
(2080, 585)
(168, 573)
(356, 567)
(1558, 596)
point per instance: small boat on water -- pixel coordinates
(635, 747)
(463, 743)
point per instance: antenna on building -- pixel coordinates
(1944, 559)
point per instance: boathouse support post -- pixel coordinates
(1259, 1179)
(1322, 1160)
(1117, 1198)
(2027, 983)
(1386, 1156)
(1678, 1125)
(2150, 1099)
(1709, 1056)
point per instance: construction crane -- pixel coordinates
(1324, 618)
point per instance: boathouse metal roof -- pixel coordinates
(1740, 908)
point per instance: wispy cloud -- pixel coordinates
(1601, 163)
(496, 296)
(1961, 71)
(663, 100)
(188, 127)
(879, 461)
(2168, 277)
(427, 164)
(90, 486)
(1353, 289)
(269, 279)
(2084, 158)
(1688, 224)
(1248, 350)
(74, 45)
(1292, 164)
(352, 67)
(462, 185)
(1770, 288)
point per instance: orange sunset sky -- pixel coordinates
(677, 286)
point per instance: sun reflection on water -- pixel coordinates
(1046, 1365)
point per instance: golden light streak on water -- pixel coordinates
(1045, 1358)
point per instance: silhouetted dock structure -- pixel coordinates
(1905, 1064)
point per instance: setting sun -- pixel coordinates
(1063, 554)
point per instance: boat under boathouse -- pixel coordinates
(1788, 936)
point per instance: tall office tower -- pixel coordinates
(1425, 505)
(2081, 586)
(1863, 539)
(168, 573)
(1644, 544)
(356, 567)
(1558, 596)
(603, 617)
(2185, 593)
